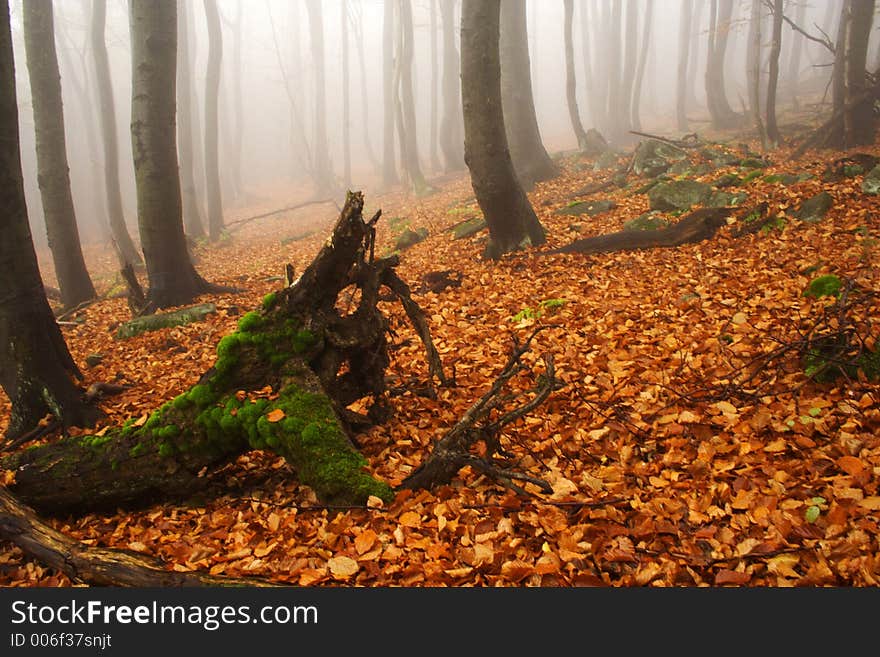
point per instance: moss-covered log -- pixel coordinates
(158, 321)
(281, 382)
(699, 225)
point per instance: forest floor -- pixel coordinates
(677, 455)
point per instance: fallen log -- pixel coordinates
(697, 226)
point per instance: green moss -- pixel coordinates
(201, 395)
(95, 442)
(180, 403)
(167, 449)
(752, 175)
(137, 450)
(167, 432)
(269, 300)
(827, 285)
(250, 322)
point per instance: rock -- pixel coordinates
(468, 228)
(871, 182)
(719, 199)
(647, 221)
(93, 360)
(728, 180)
(158, 321)
(753, 163)
(606, 160)
(678, 195)
(595, 144)
(591, 208)
(653, 157)
(815, 208)
(409, 237)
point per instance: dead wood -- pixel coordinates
(697, 226)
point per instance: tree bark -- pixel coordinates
(504, 204)
(629, 68)
(322, 169)
(346, 121)
(37, 371)
(753, 71)
(570, 80)
(716, 96)
(315, 360)
(858, 118)
(794, 60)
(173, 281)
(614, 123)
(192, 215)
(773, 134)
(433, 29)
(530, 158)
(684, 41)
(366, 128)
(636, 119)
(389, 161)
(128, 253)
(451, 126)
(409, 134)
(53, 175)
(212, 108)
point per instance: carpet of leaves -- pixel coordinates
(658, 480)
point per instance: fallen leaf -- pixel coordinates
(275, 415)
(342, 567)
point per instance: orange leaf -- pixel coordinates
(364, 541)
(725, 576)
(275, 415)
(850, 465)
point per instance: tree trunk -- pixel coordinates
(753, 71)
(451, 127)
(614, 123)
(53, 174)
(192, 216)
(530, 158)
(366, 128)
(107, 114)
(794, 60)
(504, 204)
(172, 277)
(346, 121)
(716, 96)
(570, 81)
(629, 69)
(322, 169)
(36, 369)
(296, 344)
(237, 101)
(773, 78)
(435, 99)
(684, 41)
(636, 120)
(212, 108)
(858, 117)
(389, 161)
(590, 84)
(409, 134)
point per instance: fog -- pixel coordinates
(276, 65)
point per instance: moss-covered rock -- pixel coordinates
(827, 285)
(410, 237)
(653, 157)
(647, 221)
(814, 208)
(158, 321)
(468, 228)
(591, 208)
(678, 195)
(871, 181)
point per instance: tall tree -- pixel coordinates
(192, 215)
(512, 220)
(753, 69)
(37, 371)
(212, 108)
(614, 88)
(773, 134)
(358, 27)
(530, 158)
(346, 127)
(433, 29)
(236, 143)
(53, 175)
(389, 103)
(409, 133)
(794, 55)
(590, 66)
(570, 81)
(629, 68)
(720, 13)
(128, 253)
(636, 119)
(173, 280)
(858, 107)
(451, 128)
(322, 169)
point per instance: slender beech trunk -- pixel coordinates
(237, 100)
(409, 135)
(172, 278)
(590, 86)
(212, 109)
(389, 161)
(640, 71)
(530, 158)
(367, 128)
(451, 127)
(53, 175)
(699, 7)
(36, 369)
(433, 28)
(794, 60)
(629, 69)
(126, 249)
(192, 215)
(615, 120)
(773, 134)
(858, 116)
(753, 72)
(346, 121)
(570, 81)
(684, 42)
(508, 212)
(716, 95)
(323, 171)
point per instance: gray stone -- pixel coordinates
(678, 195)
(871, 181)
(815, 208)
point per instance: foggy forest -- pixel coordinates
(417, 293)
